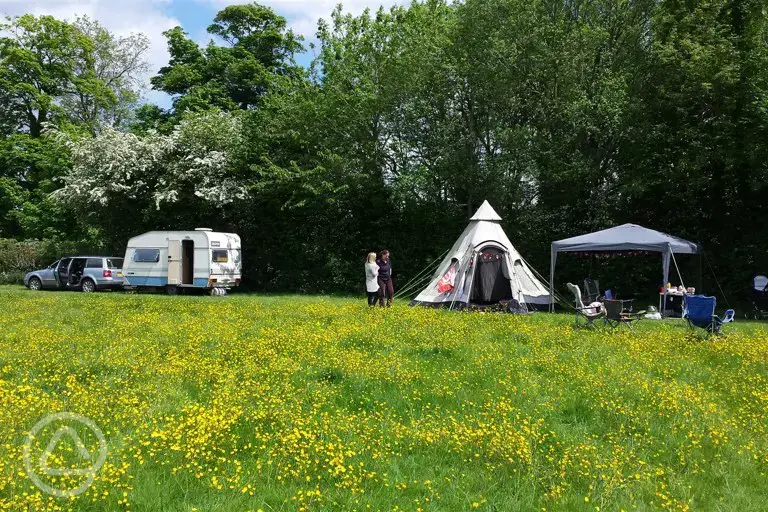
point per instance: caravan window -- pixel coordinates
(220, 256)
(146, 255)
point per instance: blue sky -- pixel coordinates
(152, 17)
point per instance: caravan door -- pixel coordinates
(174, 262)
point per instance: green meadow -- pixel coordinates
(279, 403)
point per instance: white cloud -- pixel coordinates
(118, 16)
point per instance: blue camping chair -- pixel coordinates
(699, 311)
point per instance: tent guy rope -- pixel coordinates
(409, 285)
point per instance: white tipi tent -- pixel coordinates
(482, 268)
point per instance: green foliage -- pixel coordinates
(29, 172)
(17, 257)
(259, 50)
(77, 77)
(39, 60)
(151, 117)
(67, 73)
(567, 117)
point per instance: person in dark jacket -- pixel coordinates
(386, 288)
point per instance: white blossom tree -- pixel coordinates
(198, 160)
(124, 183)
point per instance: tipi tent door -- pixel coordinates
(491, 282)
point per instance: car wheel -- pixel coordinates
(35, 284)
(88, 286)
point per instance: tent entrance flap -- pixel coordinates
(491, 283)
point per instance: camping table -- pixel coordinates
(674, 303)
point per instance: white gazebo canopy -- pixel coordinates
(627, 237)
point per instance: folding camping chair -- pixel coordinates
(699, 311)
(589, 313)
(591, 290)
(619, 312)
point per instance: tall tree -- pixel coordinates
(699, 128)
(109, 80)
(74, 75)
(39, 59)
(80, 74)
(258, 49)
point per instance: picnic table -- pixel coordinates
(674, 303)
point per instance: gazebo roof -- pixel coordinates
(627, 237)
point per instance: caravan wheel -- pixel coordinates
(172, 290)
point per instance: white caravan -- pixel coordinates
(175, 260)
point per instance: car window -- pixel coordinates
(115, 263)
(220, 256)
(146, 255)
(93, 263)
(53, 265)
(64, 263)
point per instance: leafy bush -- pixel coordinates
(17, 257)
(13, 277)
(20, 256)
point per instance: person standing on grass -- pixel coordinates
(372, 279)
(386, 288)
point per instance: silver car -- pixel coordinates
(85, 273)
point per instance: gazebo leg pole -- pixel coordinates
(665, 262)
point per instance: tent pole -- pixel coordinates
(665, 263)
(700, 283)
(552, 261)
(679, 275)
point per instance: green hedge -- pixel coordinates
(12, 277)
(17, 257)
(21, 256)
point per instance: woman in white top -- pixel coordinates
(371, 278)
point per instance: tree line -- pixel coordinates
(568, 116)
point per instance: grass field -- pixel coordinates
(308, 403)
